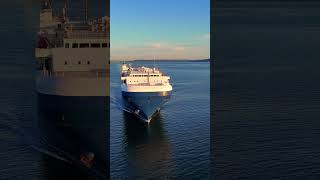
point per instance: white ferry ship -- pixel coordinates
(145, 89)
(72, 56)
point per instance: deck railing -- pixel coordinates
(86, 35)
(89, 74)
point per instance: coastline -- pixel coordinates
(162, 60)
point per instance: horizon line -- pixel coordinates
(162, 59)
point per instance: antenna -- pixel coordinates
(154, 62)
(86, 10)
(65, 10)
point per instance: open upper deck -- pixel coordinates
(61, 32)
(143, 71)
(143, 76)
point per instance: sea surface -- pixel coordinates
(266, 91)
(176, 143)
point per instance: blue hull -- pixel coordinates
(65, 123)
(146, 104)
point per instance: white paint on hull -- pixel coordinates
(146, 88)
(72, 86)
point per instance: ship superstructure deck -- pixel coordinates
(145, 89)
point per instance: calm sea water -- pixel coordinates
(266, 95)
(176, 144)
(17, 103)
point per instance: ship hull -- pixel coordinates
(75, 125)
(146, 104)
(72, 112)
(73, 85)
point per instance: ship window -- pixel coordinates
(79, 62)
(95, 45)
(104, 45)
(84, 45)
(67, 45)
(75, 45)
(88, 62)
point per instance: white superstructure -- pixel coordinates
(144, 90)
(72, 56)
(144, 79)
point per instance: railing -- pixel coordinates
(86, 35)
(88, 74)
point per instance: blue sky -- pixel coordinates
(164, 29)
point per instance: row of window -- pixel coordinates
(145, 75)
(88, 45)
(146, 81)
(79, 62)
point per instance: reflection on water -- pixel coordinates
(176, 144)
(147, 148)
(72, 127)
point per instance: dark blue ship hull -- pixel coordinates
(74, 125)
(146, 104)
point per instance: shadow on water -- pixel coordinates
(148, 148)
(70, 128)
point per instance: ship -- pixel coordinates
(72, 56)
(145, 90)
(72, 59)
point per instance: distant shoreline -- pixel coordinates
(165, 60)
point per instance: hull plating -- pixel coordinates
(72, 86)
(146, 104)
(76, 125)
